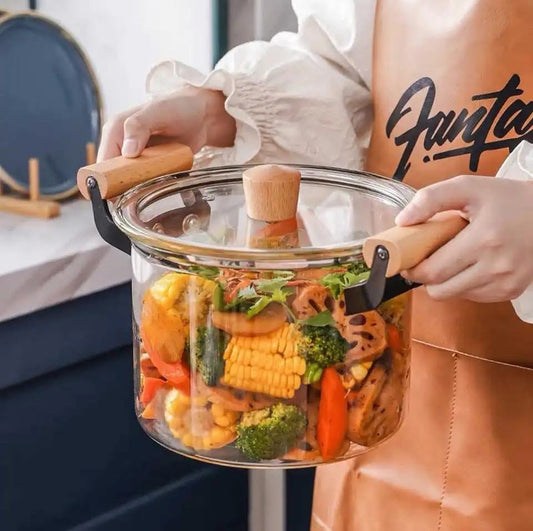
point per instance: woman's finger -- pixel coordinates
(452, 258)
(112, 136)
(471, 278)
(452, 194)
(111, 139)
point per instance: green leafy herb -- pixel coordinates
(206, 271)
(244, 299)
(258, 306)
(271, 285)
(338, 282)
(320, 319)
(255, 298)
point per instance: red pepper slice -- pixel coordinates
(150, 388)
(395, 338)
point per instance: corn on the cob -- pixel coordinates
(197, 425)
(266, 364)
(188, 295)
(175, 303)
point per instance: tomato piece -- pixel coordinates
(332, 415)
(280, 228)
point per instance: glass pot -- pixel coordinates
(269, 341)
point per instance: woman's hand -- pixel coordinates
(192, 116)
(491, 260)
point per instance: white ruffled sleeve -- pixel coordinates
(301, 97)
(519, 166)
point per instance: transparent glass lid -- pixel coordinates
(201, 216)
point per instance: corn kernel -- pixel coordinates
(217, 410)
(359, 372)
(218, 435)
(223, 421)
(184, 399)
(199, 401)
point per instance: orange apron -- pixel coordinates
(453, 90)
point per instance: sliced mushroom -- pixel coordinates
(238, 324)
(366, 335)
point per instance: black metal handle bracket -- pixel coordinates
(103, 220)
(378, 288)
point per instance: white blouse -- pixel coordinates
(305, 97)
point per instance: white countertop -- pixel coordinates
(46, 262)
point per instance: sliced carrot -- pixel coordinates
(332, 415)
(394, 338)
(150, 388)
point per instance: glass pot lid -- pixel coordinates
(201, 216)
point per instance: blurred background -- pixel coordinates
(72, 455)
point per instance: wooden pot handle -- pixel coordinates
(408, 246)
(116, 176)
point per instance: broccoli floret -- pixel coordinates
(209, 348)
(321, 346)
(271, 432)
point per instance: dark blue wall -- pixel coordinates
(72, 454)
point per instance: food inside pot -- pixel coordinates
(253, 366)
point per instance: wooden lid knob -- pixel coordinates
(271, 192)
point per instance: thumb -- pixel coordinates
(452, 194)
(137, 131)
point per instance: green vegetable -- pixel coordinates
(271, 432)
(338, 282)
(313, 373)
(205, 271)
(253, 299)
(320, 319)
(218, 297)
(270, 286)
(321, 346)
(208, 354)
(258, 306)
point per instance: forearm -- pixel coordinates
(220, 126)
